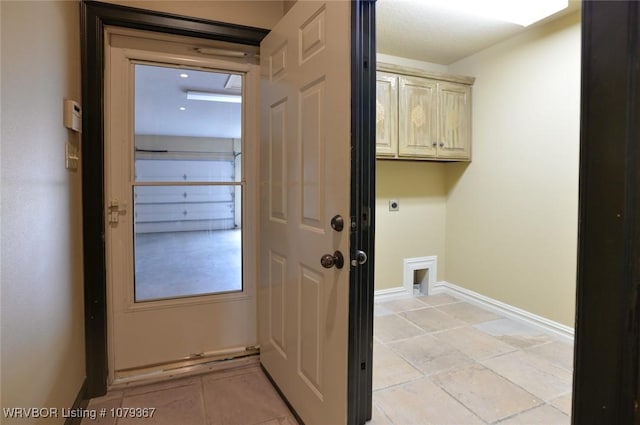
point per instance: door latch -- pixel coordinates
(336, 260)
(115, 210)
(359, 257)
(337, 223)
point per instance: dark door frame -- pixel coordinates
(94, 16)
(363, 201)
(607, 338)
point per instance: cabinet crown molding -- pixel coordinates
(417, 72)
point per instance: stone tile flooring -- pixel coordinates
(240, 396)
(438, 360)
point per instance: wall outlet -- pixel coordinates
(394, 205)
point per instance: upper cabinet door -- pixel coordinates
(417, 117)
(386, 114)
(454, 133)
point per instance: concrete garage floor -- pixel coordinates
(179, 264)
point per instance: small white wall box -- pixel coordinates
(72, 115)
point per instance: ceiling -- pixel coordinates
(416, 30)
(406, 28)
(160, 92)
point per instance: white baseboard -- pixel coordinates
(390, 294)
(545, 325)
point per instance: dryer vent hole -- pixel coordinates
(420, 281)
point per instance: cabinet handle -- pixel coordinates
(441, 144)
(434, 144)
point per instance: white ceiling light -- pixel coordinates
(184, 75)
(182, 108)
(214, 97)
(521, 12)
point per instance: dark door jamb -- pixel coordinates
(363, 201)
(94, 16)
(606, 360)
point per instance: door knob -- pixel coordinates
(337, 223)
(360, 257)
(329, 260)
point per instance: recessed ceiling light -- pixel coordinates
(182, 108)
(183, 75)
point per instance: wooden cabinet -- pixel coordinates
(454, 120)
(386, 114)
(432, 114)
(417, 117)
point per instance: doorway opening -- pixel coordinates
(502, 221)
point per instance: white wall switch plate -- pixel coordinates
(70, 156)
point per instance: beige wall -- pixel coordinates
(255, 13)
(418, 228)
(42, 309)
(511, 231)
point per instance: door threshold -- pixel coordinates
(184, 368)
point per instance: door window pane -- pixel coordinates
(188, 241)
(187, 190)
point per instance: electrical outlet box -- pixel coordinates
(394, 205)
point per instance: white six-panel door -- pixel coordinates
(305, 181)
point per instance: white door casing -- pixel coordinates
(304, 182)
(156, 332)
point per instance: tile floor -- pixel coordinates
(240, 396)
(438, 360)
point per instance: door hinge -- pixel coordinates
(366, 217)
